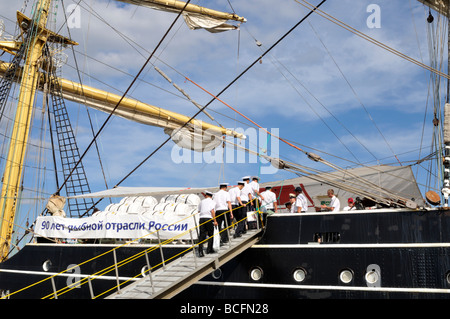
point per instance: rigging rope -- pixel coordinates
(87, 110)
(220, 93)
(357, 97)
(123, 96)
(370, 39)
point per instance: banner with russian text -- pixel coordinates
(117, 226)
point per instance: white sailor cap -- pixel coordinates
(245, 178)
(223, 184)
(255, 177)
(209, 193)
(241, 183)
(268, 187)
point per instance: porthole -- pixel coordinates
(144, 271)
(256, 274)
(346, 276)
(299, 275)
(216, 274)
(372, 277)
(47, 265)
(447, 277)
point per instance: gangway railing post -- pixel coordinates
(160, 249)
(117, 271)
(149, 271)
(196, 226)
(228, 229)
(193, 248)
(54, 287)
(257, 219)
(90, 288)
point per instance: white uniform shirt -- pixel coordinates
(301, 201)
(205, 207)
(269, 199)
(244, 193)
(335, 203)
(255, 188)
(234, 193)
(221, 198)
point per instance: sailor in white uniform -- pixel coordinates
(246, 192)
(207, 217)
(223, 210)
(269, 204)
(244, 197)
(254, 185)
(269, 201)
(301, 203)
(235, 192)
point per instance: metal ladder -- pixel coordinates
(181, 273)
(9, 78)
(77, 183)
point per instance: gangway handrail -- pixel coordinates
(98, 256)
(129, 259)
(88, 278)
(193, 246)
(198, 271)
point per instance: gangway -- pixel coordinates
(184, 271)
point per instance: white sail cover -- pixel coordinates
(123, 191)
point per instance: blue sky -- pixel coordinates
(297, 89)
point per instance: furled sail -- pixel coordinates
(199, 141)
(196, 17)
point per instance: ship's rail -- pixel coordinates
(122, 281)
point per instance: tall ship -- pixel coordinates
(101, 188)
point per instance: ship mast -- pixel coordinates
(36, 40)
(446, 184)
(31, 49)
(443, 8)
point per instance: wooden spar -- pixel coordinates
(133, 109)
(19, 139)
(441, 6)
(129, 108)
(175, 5)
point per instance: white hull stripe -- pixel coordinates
(319, 287)
(254, 285)
(320, 246)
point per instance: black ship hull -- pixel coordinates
(364, 254)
